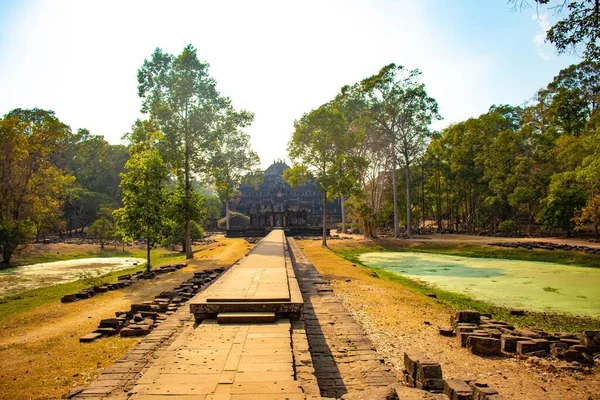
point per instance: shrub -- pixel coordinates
(508, 226)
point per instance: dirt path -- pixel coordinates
(484, 240)
(398, 320)
(39, 349)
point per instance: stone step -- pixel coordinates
(245, 317)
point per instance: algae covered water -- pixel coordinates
(535, 286)
(26, 277)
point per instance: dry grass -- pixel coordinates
(399, 319)
(40, 353)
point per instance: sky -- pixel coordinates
(277, 59)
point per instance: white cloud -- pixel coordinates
(540, 37)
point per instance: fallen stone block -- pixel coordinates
(135, 330)
(464, 336)
(468, 316)
(457, 389)
(106, 331)
(431, 385)
(446, 331)
(484, 346)
(484, 393)
(141, 307)
(411, 360)
(90, 337)
(110, 323)
(591, 339)
(526, 346)
(542, 344)
(427, 369)
(69, 298)
(575, 356)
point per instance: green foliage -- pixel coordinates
(320, 149)
(30, 183)
(93, 278)
(103, 228)
(181, 96)
(565, 197)
(144, 196)
(578, 27)
(236, 221)
(212, 205)
(508, 226)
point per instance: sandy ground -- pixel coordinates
(40, 356)
(399, 320)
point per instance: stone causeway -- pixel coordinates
(270, 327)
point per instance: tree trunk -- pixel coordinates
(187, 235)
(395, 189)
(324, 242)
(148, 266)
(408, 201)
(597, 233)
(227, 214)
(189, 254)
(344, 229)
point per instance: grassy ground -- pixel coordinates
(399, 318)
(12, 305)
(40, 355)
(455, 301)
(354, 248)
(42, 253)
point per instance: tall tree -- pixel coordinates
(579, 26)
(320, 150)
(399, 105)
(30, 184)
(144, 194)
(179, 93)
(232, 159)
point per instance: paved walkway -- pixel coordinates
(344, 358)
(325, 353)
(263, 281)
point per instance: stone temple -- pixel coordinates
(277, 204)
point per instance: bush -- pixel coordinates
(236, 221)
(508, 226)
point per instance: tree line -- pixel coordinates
(152, 188)
(513, 169)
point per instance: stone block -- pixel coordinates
(591, 339)
(483, 393)
(141, 307)
(463, 336)
(468, 316)
(106, 331)
(110, 323)
(575, 356)
(557, 349)
(427, 369)
(135, 330)
(411, 360)
(570, 341)
(447, 331)
(431, 385)
(526, 346)
(456, 389)
(69, 298)
(542, 344)
(484, 346)
(464, 328)
(90, 337)
(509, 343)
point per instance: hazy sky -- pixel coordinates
(278, 59)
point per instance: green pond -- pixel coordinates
(535, 286)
